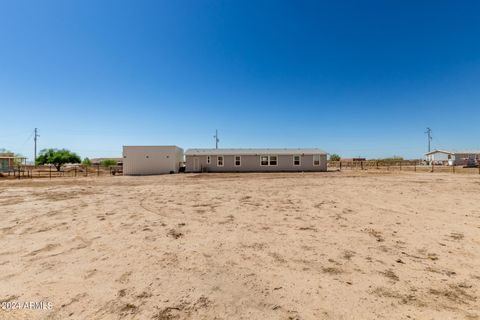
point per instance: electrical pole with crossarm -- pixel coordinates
(36, 135)
(216, 139)
(429, 137)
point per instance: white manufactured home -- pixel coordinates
(149, 160)
(462, 157)
(255, 160)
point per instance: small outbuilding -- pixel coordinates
(255, 160)
(150, 160)
(8, 160)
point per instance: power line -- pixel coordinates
(28, 139)
(14, 134)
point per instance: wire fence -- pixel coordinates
(78, 171)
(405, 165)
(50, 172)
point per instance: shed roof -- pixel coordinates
(265, 151)
(153, 147)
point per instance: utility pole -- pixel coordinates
(429, 137)
(216, 139)
(36, 135)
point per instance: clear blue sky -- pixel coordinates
(358, 78)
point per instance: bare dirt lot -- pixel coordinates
(349, 245)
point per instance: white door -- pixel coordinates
(196, 164)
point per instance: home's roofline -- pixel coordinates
(467, 152)
(439, 151)
(254, 151)
(453, 152)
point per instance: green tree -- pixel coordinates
(335, 157)
(57, 157)
(87, 162)
(107, 163)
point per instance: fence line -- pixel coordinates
(49, 171)
(405, 165)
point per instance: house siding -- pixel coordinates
(460, 157)
(251, 163)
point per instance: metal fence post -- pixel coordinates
(50, 171)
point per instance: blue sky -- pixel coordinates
(358, 78)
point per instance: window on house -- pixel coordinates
(219, 161)
(238, 161)
(264, 160)
(209, 159)
(316, 160)
(296, 160)
(273, 160)
(268, 160)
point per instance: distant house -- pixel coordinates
(255, 160)
(354, 159)
(98, 161)
(462, 157)
(8, 160)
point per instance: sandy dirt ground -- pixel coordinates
(242, 246)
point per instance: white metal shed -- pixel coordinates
(149, 160)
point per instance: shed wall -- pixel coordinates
(151, 160)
